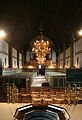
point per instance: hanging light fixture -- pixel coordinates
(41, 49)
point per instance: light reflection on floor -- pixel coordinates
(38, 81)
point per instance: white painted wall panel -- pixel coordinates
(0, 45)
(28, 56)
(14, 58)
(20, 60)
(20, 56)
(78, 53)
(14, 52)
(5, 46)
(79, 64)
(67, 62)
(67, 52)
(14, 62)
(61, 56)
(5, 61)
(20, 64)
(60, 59)
(61, 64)
(4, 53)
(0, 59)
(78, 45)
(53, 57)
(67, 57)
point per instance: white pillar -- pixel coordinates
(28, 57)
(53, 57)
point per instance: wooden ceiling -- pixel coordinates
(21, 20)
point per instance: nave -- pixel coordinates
(40, 59)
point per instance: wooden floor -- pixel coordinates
(8, 110)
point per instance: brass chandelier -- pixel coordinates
(41, 49)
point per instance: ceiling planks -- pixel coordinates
(21, 19)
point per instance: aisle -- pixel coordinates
(38, 81)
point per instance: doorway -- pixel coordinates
(41, 70)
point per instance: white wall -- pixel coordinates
(0, 45)
(5, 46)
(14, 62)
(5, 61)
(20, 60)
(4, 53)
(67, 52)
(28, 57)
(67, 57)
(14, 58)
(78, 45)
(20, 56)
(58, 64)
(78, 53)
(14, 52)
(53, 57)
(0, 53)
(61, 60)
